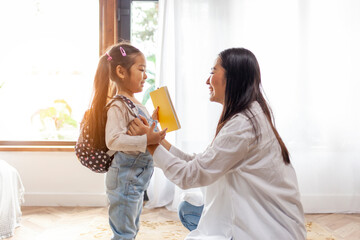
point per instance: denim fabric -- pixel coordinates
(127, 179)
(190, 215)
(150, 120)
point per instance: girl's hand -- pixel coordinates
(140, 127)
(155, 114)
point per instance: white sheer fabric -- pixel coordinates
(309, 55)
(11, 197)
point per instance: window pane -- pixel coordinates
(49, 53)
(144, 24)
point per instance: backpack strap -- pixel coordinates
(131, 107)
(128, 103)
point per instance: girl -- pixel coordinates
(132, 166)
(251, 190)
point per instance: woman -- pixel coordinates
(251, 190)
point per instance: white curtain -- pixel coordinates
(309, 56)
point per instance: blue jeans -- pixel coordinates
(127, 179)
(190, 215)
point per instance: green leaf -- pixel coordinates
(60, 137)
(148, 23)
(60, 114)
(148, 71)
(151, 58)
(147, 94)
(150, 81)
(71, 122)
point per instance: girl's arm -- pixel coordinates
(115, 131)
(117, 127)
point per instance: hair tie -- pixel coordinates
(109, 58)
(122, 51)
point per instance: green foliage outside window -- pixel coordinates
(147, 22)
(55, 122)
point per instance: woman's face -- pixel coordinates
(217, 83)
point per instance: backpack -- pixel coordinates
(98, 160)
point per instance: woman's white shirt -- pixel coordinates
(250, 193)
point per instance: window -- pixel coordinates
(138, 22)
(48, 60)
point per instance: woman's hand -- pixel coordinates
(138, 127)
(155, 137)
(155, 114)
(141, 127)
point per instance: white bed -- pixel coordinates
(11, 198)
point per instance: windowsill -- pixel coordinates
(37, 146)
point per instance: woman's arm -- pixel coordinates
(138, 127)
(228, 151)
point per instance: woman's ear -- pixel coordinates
(120, 72)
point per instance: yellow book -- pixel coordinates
(167, 115)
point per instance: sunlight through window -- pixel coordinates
(49, 53)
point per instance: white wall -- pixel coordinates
(57, 179)
(328, 183)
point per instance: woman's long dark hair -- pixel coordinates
(103, 90)
(243, 86)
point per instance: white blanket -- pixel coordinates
(11, 197)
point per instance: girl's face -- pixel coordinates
(217, 83)
(136, 77)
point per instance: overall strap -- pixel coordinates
(129, 104)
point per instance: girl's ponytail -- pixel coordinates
(96, 116)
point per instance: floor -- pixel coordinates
(85, 223)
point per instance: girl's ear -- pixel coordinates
(120, 72)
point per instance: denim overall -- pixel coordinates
(127, 179)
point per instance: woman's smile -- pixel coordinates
(217, 83)
(211, 90)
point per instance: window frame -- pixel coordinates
(37, 146)
(124, 17)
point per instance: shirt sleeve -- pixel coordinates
(180, 154)
(226, 152)
(116, 128)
